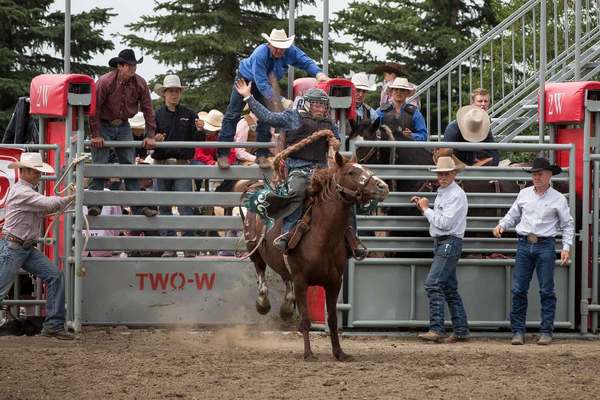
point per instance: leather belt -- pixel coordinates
(25, 244)
(114, 122)
(532, 238)
(172, 161)
(442, 238)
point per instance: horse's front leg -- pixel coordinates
(300, 287)
(331, 294)
(286, 311)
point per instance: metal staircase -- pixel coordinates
(558, 40)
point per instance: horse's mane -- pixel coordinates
(319, 185)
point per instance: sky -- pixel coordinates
(131, 10)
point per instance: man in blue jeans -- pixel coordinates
(539, 213)
(26, 209)
(267, 61)
(448, 221)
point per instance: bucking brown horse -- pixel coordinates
(321, 255)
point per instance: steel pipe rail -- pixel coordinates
(425, 244)
(188, 145)
(164, 243)
(167, 222)
(173, 171)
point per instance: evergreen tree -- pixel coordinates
(422, 34)
(31, 37)
(203, 41)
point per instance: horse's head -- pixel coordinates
(355, 182)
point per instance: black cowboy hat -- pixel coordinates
(126, 56)
(540, 164)
(391, 67)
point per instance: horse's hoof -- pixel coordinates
(263, 308)
(341, 356)
(310, 357)
(286, 312)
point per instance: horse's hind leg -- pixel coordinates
(263, 305)
(286, 311)
(300, 287)
(331, 293)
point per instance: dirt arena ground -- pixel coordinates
(238, 363)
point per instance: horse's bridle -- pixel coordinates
(355, 195)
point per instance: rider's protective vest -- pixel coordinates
(316, 151)
(403, 121)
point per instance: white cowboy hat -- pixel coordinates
(361, 82)
(212, 120)
(33, 161)
(137, 121)
(401, 83)
(445, 164)
(473, 122)
(279, 39)
(170, 81)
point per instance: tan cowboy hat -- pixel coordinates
(212, 120)
(279, 39)
(473, 122)
(401, 83)
(202, 114)
(33, 161)
(169, 81)
(361, 82)
(446, 164)
(137, 121)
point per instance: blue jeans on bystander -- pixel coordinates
(441, 286)
(540, 256)
(13, 257)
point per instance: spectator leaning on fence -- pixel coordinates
(119, 95)
(272, 58)
(472, 125)
(539, 213)
(402, 118)
(448, 221)
(363, 110)
(26, 209)
(174, 123)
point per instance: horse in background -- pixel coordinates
(320, 256)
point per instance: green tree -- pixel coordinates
(422, 34)
(203, 41)
(31, 37)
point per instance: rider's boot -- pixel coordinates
(281, 241)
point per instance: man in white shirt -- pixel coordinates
(540, 212)
(448, 221)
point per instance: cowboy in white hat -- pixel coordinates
(120, 94)
(25, 210)
(447, 223)
(175, 123)
(363, 85)
(270, 59)
(404, 119)
(472, 125)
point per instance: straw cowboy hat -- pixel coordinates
(279, 39)
(33, 161)
(126, 56)
(361, 82)
(541, 164)
(212, 120)
(446, 164)
(137, 121)
(473, 122)
(401, 83)
(170, 81)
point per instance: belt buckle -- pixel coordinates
(116, 122)
(532, 238)
(171, 161)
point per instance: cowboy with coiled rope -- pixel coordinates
(298, 125)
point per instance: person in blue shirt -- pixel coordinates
(268, 61)
(402, 118)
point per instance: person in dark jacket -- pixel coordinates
(21, 128)
(174, 123)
